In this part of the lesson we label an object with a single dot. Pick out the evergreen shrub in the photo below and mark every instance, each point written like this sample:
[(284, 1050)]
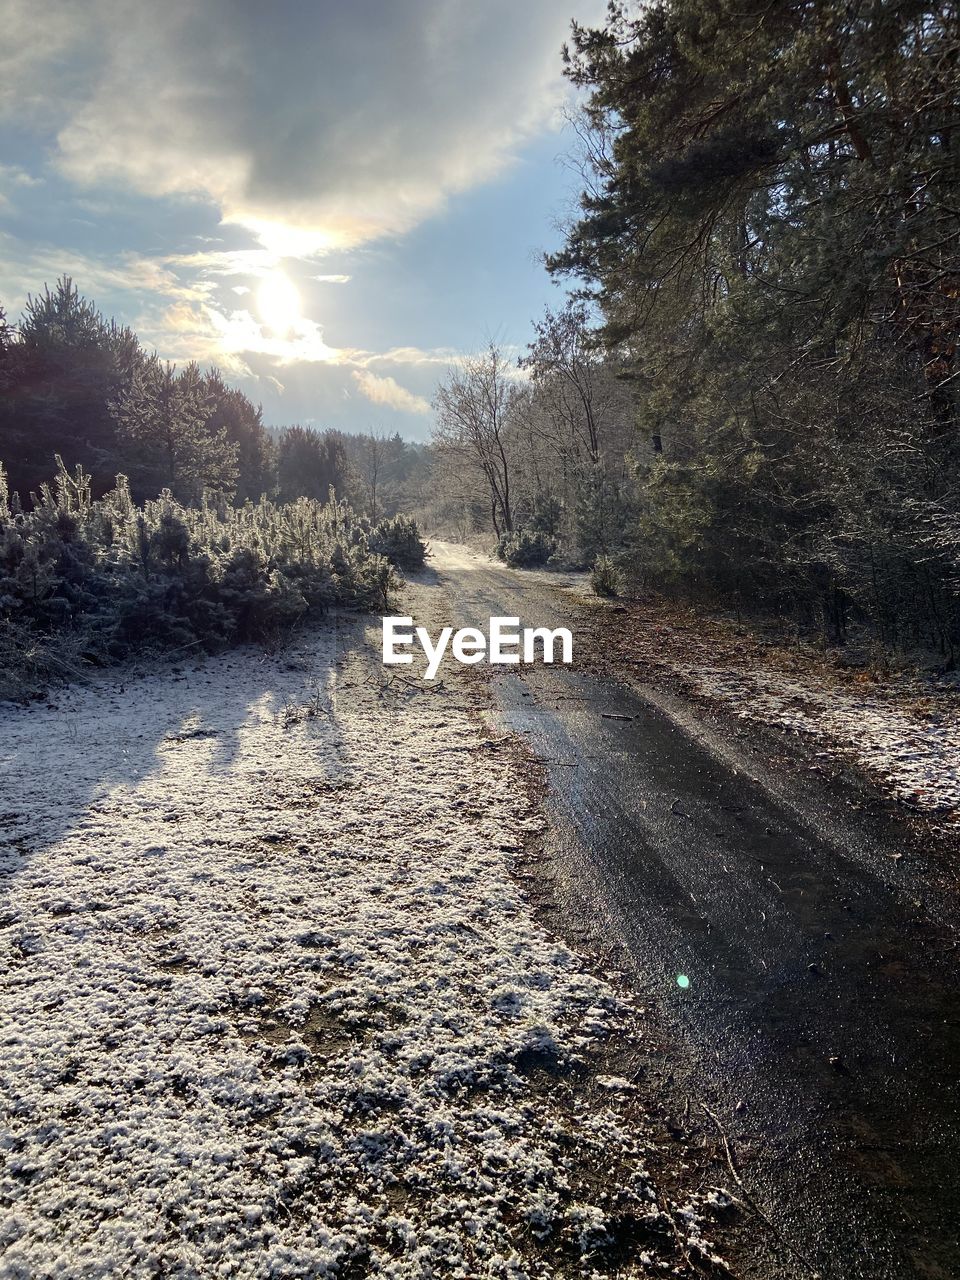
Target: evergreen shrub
[(86, 580)]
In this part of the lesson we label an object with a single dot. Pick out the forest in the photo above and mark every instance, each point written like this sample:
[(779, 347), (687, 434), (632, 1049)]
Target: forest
[(751, 396), (82, 386)]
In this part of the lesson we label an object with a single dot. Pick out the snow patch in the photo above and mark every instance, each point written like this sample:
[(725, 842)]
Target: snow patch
[(914, 751)]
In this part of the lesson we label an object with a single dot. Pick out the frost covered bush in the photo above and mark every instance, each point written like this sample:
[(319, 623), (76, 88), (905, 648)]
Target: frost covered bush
[(398, 538), (526, 549), (92, 581)]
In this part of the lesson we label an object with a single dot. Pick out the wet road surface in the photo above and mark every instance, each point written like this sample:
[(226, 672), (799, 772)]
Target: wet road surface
[(821, 1022)]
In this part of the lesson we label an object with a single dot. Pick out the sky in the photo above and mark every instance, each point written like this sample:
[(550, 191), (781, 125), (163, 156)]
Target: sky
[(331, 201)]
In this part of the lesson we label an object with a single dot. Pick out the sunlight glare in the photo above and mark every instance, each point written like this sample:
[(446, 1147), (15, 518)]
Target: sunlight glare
[(278, 303)]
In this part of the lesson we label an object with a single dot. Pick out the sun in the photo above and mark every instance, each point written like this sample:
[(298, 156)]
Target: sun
[(278, 303)]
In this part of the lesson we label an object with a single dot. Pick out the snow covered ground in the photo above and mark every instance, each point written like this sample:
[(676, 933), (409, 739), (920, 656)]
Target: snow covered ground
[(271, 1004), (454, 555), (903, 730), (910, 744)]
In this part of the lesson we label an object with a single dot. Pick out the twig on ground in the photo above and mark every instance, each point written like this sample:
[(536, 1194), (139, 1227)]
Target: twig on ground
[(748, 1197)]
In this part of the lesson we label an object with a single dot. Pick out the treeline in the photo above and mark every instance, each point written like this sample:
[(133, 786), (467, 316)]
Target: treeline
[(769, 246), (75, 384)]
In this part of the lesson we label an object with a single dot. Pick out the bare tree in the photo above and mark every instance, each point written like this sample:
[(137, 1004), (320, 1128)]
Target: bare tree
[(373, 456), (562, 357), (473, 406)]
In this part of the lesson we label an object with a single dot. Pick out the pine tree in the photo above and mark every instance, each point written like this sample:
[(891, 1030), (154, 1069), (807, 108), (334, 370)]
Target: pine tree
[(242, 424), (164, 424), (58, 375)]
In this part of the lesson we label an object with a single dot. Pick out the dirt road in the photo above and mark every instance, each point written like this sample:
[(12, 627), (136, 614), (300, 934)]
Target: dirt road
[(806, 967)]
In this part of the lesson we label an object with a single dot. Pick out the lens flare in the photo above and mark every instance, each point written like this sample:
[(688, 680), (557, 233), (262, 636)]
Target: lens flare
[(683, 981)]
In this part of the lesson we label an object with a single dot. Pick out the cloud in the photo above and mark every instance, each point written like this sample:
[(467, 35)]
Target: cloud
[(202, 330), (11, 175), (314, 124), (442, 356), (25, 268), (333, 279), (188, 307), (225, 262), (387, 391)]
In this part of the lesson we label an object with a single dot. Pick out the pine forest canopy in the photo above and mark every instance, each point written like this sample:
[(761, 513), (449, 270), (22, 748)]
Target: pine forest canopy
[(770, 232)]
